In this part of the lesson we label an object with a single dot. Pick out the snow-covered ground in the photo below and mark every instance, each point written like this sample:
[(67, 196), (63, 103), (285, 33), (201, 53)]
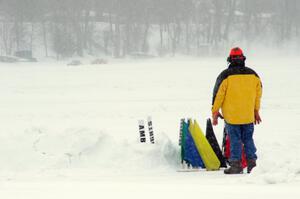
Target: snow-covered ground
[(72, 131)]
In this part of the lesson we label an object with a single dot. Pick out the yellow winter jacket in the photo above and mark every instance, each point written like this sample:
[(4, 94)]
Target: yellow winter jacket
[(237, 92)]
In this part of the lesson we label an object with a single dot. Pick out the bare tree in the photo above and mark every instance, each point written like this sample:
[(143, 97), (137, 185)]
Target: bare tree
[(121, 27)]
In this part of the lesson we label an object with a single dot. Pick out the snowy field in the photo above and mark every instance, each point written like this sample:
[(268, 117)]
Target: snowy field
[(72, 131)]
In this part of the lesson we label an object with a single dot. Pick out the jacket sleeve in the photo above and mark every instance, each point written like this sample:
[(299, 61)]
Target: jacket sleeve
[(258, 95), (219, 97), (219, 80)]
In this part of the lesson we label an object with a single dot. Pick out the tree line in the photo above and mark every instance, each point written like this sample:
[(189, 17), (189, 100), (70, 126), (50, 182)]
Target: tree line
[(65, 28)]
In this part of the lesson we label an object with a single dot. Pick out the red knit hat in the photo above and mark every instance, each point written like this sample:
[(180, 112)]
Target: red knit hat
[(236, 52), (236, 56)]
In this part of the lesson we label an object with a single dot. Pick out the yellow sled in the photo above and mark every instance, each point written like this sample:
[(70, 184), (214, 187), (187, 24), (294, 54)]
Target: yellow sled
[(208, 155)]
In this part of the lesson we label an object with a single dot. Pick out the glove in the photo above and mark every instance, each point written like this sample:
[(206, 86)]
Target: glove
[(257, 117), (215, 117)]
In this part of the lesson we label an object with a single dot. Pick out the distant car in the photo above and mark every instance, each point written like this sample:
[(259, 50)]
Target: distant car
[(99, 61), (74, 63), (141, 55)]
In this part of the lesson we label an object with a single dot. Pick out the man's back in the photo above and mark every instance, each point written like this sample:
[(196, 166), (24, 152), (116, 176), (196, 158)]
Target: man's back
[(237, 92)]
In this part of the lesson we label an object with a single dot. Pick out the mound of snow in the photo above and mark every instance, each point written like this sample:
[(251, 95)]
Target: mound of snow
[(40, 148)]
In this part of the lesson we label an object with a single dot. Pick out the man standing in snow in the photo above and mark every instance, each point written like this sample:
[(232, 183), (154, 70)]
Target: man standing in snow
[(237, 93)]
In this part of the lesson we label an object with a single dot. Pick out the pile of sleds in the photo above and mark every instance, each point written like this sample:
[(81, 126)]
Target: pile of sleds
[(199, 151)]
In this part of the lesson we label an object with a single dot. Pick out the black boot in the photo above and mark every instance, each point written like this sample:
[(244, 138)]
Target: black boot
[(235, 167), (251, 163)]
